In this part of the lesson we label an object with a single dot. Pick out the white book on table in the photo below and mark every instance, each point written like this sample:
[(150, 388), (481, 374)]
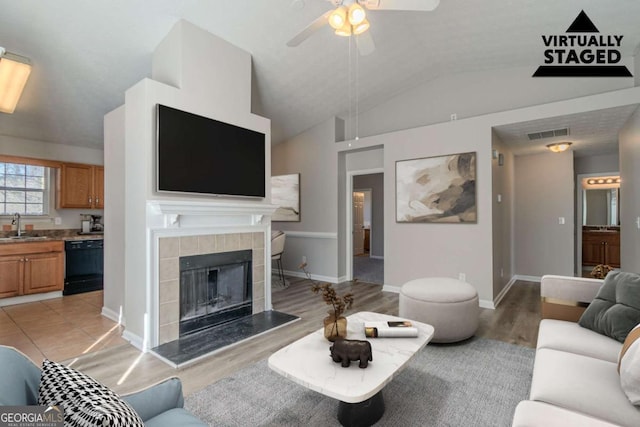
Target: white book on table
[(397, 329)]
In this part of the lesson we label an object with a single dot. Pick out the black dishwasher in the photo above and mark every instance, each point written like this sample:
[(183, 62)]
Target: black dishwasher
[(84, 266)]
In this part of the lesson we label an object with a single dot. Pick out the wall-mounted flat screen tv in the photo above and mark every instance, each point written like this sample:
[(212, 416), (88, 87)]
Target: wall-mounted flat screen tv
[(200, 155)]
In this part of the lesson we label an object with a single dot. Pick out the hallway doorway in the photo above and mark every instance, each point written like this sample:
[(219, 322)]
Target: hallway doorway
[(367, 227)]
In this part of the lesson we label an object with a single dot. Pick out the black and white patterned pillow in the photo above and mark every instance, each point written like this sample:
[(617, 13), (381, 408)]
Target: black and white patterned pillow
[(86, 402)]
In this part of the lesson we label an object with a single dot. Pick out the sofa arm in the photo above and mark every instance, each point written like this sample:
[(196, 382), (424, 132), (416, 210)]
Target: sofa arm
[(157, 398), (565, 297)]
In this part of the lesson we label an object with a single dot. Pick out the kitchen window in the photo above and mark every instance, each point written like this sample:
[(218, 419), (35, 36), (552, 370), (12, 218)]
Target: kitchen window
[(24, 189)]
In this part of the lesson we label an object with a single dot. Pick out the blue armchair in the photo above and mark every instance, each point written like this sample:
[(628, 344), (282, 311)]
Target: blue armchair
[(158, 405)]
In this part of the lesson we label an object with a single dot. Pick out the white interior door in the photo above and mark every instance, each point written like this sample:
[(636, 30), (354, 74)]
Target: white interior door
[(358, 223)]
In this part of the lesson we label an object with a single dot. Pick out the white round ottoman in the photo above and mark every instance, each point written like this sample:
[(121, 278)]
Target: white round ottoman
[(449, 305)]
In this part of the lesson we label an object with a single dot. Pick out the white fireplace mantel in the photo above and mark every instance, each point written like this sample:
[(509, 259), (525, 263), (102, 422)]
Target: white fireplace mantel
[(175, 213)]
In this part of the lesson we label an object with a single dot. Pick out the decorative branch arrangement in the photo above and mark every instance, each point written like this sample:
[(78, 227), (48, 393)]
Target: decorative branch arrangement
[(329, 295)]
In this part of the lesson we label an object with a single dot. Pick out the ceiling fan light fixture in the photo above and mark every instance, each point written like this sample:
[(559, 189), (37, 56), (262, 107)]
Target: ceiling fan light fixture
[(361, 27), (559, 147), (356, 14), (338, 17), (344, 31)]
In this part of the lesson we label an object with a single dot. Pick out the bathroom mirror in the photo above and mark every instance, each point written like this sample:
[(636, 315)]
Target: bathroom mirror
[(601, 207)]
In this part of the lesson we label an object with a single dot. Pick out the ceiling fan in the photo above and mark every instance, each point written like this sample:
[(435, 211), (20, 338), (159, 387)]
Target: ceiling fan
[(349, 18)]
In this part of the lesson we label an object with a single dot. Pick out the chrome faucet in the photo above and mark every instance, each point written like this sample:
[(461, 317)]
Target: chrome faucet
[(16, 220)]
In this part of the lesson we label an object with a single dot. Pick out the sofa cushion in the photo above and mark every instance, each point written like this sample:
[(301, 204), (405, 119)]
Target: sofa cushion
[(582, 384), (629, 366), (86, 402), (571, 337), (529, 413), (616, 308), (19, 378)]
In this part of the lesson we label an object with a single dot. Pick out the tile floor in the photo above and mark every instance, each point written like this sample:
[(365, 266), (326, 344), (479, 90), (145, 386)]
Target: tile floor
[(59, 329)]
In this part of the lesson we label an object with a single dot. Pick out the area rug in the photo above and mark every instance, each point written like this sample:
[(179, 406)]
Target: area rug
[(477, 382)]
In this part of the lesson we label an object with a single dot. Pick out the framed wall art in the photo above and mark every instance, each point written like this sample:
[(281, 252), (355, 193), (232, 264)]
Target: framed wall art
[(437, 189), (285, 193)]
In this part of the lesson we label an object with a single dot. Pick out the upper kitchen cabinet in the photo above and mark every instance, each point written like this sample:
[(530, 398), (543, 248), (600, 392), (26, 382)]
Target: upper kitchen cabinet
[(80, 186)]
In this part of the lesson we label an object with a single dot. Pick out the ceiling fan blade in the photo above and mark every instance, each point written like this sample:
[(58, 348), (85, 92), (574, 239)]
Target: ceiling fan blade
[(365, 43), (309, 29), (416, 5)]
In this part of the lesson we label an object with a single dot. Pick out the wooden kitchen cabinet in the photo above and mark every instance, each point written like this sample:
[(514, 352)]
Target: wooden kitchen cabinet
[(601, 247), (80, 186), (11, 273), (31, 267)]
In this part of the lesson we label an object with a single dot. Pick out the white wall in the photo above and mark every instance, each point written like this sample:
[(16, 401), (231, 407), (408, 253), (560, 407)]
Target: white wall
[(476, 93), (212, 78), (13, 146), (544, 188), (630, 194), (115, 188)]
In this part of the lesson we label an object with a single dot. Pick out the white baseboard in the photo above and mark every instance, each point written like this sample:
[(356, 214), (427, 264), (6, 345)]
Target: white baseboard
[(391, 288), (112, 315), (484, 303), (29, 298), (376, 257), (134, 339), (503, 292), (315, 277), (527, 278)]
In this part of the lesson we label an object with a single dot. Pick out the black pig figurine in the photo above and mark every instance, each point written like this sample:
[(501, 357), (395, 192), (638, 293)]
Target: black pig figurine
[(344, 351)]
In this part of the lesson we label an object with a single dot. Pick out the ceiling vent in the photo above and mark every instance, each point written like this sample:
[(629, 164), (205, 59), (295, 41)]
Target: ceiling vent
[(533, 136)]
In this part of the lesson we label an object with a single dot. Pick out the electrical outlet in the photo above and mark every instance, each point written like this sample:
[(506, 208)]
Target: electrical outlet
[(561, 220), (462, 277), (454, 116), (57, 220), (304, 259)]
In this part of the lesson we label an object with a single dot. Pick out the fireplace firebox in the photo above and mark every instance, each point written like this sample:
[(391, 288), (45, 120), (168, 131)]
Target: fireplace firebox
[(214, 289)]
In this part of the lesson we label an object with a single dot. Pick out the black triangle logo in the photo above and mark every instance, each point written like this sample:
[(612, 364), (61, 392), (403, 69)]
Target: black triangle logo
[(582, 24)]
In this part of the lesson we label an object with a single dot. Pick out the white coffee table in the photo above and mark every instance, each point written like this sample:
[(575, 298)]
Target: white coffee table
[(307, 362)]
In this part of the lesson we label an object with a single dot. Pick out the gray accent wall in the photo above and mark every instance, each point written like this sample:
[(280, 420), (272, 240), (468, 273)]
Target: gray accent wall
[(539, 244), (543, 189)]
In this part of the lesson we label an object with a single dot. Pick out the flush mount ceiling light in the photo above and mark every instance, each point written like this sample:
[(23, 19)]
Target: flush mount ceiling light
[(559, 147), (14, 72)]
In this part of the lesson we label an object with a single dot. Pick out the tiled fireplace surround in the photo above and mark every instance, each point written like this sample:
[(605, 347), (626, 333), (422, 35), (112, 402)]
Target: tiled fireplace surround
[(183, 228), (172, 248)]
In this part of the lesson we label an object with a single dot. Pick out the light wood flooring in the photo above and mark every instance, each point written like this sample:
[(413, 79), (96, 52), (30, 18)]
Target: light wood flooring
[(67, 329)]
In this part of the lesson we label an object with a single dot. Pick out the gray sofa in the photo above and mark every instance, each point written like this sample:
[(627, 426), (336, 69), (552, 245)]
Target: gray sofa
[(158, 405), (575, 379)]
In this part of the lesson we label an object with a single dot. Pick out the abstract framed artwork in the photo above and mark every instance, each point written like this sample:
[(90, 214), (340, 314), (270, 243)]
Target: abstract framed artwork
[(285, 194), (437, 189)]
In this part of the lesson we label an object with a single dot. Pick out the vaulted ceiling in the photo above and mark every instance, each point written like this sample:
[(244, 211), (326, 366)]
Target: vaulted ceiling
[(85, 54)]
